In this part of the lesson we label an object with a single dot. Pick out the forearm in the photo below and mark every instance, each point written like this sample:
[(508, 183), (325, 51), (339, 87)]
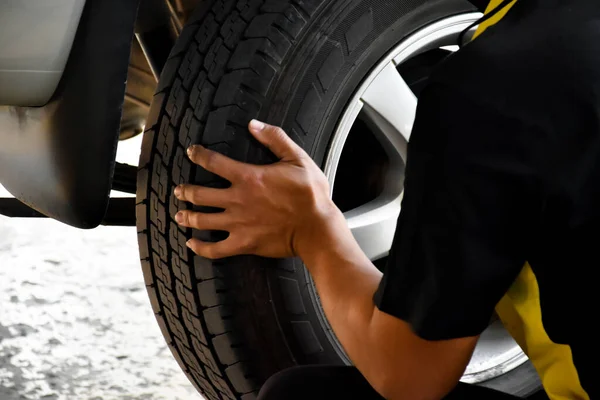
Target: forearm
[(346, 281), (397, 363)]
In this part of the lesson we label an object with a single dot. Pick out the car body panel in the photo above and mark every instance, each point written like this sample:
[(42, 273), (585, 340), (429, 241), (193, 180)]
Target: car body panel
[(59, 159), (35, 41)]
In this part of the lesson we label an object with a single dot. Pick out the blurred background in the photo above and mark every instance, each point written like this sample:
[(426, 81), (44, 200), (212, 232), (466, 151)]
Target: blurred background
[(75, 320)]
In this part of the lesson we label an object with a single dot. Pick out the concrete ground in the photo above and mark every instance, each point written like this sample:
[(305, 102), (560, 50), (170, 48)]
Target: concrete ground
[(75, 320)]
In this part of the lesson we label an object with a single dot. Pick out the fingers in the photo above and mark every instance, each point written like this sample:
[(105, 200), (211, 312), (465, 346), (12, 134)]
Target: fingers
[(211, 250), (275, 139), (234, 245), (202, 196), (215, 162), (203, 221)]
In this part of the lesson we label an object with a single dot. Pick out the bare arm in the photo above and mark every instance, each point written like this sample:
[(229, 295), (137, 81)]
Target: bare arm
[(397, 363), (284, 210)]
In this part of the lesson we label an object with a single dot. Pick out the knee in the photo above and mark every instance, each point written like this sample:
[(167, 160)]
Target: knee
[(285, 384)]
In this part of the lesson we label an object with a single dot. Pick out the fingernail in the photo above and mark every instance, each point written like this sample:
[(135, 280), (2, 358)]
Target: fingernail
[(177, 191), (190, 151), (179, 217), (257, 125), (189, 243)]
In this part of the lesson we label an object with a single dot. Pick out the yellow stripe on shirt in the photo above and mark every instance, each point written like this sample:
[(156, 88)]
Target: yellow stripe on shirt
[(493, 20), (521, 313)]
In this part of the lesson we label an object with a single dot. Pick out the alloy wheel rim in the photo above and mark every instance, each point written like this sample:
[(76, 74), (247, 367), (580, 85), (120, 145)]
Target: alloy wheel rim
[(387, 102)]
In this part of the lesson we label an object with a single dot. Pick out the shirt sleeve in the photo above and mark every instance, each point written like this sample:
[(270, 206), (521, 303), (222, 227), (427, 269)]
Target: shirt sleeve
[(471, 199)]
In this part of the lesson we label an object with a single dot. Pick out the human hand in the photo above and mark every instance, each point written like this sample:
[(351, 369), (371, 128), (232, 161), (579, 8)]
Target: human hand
[(276, 210)]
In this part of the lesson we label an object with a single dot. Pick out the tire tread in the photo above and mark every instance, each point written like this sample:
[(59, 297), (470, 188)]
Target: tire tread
[(218, 73)]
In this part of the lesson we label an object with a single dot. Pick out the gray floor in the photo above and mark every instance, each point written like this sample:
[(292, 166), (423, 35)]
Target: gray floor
[(75, 321)]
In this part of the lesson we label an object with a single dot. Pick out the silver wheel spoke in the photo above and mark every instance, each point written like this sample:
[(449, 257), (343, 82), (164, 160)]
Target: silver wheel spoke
[(373, 225), (391, 105)]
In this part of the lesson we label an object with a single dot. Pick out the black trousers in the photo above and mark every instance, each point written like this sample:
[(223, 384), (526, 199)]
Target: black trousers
[(346, 383)]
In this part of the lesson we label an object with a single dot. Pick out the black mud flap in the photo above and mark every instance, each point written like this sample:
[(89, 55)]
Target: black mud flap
[(59, 159)]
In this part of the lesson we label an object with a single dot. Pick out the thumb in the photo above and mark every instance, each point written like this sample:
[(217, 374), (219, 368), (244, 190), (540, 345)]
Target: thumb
[(276, 140)]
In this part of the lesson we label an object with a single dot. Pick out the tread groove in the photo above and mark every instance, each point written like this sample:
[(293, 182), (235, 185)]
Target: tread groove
[(212, 49)]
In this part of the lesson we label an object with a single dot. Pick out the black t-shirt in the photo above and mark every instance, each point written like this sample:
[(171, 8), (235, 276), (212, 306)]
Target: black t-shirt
[(504, 168)]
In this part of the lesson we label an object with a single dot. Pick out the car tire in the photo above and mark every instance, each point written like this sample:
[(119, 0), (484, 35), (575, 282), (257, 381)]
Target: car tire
[(233, 323)]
